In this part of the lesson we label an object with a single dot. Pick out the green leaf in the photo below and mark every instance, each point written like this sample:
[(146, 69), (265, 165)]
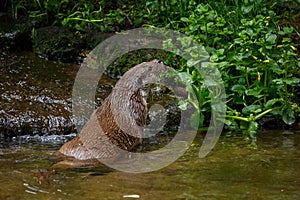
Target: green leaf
[(246, 8), (185, 77), (268, 46), (275, 68), (202, 8), (251, 109), (271, 102), (292, 81), (183, 105), (197, 120), (276, 112), (211, 83), (286, 40), (254, 92), (239, 89), (138, 21), (288, 30), (271, 38), (277, 81), (238, 100), (288, 115), (238, 41), (190, 88), (191, 62), (184, 19)]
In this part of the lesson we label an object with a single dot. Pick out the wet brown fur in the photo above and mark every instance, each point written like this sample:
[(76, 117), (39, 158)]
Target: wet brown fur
[(102, 130)]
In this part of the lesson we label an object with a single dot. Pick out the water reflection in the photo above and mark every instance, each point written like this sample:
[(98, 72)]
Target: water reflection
[(234, 170)]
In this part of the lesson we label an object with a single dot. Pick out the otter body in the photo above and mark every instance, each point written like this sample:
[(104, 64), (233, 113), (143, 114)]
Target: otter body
[(118, 122)]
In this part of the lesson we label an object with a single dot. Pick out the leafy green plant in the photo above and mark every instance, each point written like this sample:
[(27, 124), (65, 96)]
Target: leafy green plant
[(82, 15), (16, 6), (256, 57)]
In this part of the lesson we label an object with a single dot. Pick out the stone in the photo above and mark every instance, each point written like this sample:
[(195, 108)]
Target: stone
[(58, 43)]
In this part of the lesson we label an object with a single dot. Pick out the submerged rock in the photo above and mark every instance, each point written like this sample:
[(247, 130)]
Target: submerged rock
[(58, 43)]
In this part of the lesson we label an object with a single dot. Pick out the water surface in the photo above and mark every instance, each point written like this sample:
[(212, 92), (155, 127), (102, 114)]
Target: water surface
[(234, 170)]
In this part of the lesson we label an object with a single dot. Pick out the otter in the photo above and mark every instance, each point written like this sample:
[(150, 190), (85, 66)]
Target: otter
[(119, 121)]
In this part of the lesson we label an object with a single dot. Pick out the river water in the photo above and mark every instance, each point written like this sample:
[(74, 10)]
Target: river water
[(35, 94), (233, 170)]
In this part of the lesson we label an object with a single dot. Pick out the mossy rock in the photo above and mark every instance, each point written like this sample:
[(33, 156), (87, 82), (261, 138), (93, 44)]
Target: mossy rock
[(15, 35), (94, 38), (57, 43)]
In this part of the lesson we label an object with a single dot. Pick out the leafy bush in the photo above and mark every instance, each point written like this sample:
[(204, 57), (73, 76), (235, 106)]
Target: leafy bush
[(257, 58)]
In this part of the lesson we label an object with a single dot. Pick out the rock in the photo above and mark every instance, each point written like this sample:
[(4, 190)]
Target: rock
[(16, 34), (35, 95), (93, 38), (58, 43)]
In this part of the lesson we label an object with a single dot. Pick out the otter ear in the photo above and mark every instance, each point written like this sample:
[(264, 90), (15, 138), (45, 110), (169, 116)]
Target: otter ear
[(138, 107)]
